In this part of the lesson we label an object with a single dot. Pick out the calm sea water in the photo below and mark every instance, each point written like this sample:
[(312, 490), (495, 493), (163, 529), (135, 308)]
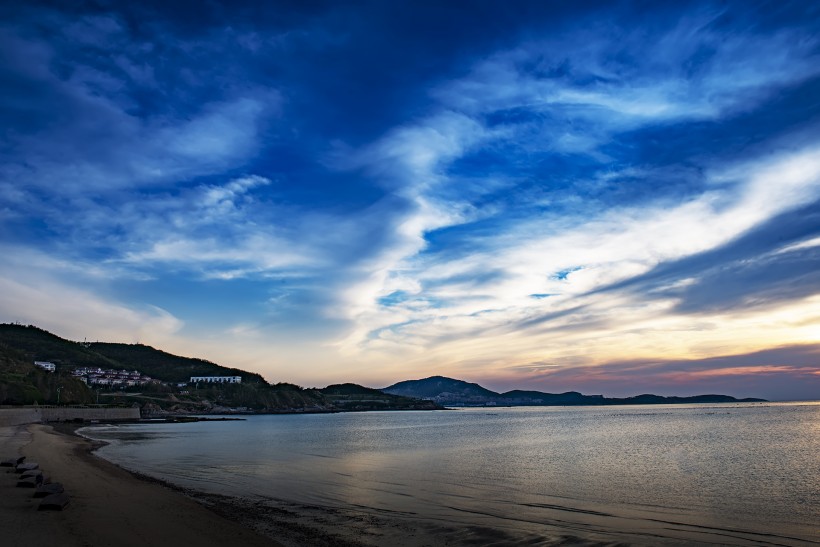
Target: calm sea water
[(719, 474)]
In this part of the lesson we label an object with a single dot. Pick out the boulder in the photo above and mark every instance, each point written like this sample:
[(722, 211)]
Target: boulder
[(26, 467), (47, 489), (54, 502), (13, 462), (30, 482), (34, 473)]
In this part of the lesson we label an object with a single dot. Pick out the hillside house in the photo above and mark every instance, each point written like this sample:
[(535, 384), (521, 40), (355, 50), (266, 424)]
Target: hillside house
[(46, 365), (216, 379)]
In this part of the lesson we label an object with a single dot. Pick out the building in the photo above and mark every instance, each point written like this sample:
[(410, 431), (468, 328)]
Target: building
[(45, 365), (217, 379), (111, 377)]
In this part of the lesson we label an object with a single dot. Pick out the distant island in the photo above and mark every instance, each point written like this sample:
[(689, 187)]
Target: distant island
[(450, 392), (161, 384)]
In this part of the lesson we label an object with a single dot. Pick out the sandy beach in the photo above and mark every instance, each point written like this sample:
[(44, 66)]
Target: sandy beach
[(108, 507), (112, 507)]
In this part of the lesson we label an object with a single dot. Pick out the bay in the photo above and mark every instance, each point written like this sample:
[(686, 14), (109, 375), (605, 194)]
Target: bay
[(742, 474)]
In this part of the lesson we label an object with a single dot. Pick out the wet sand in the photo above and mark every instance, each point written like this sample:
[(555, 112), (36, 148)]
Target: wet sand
[(108, 507), (113, 507)]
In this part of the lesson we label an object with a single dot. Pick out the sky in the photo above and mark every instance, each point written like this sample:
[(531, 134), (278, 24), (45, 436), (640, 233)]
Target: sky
[(609, 197)]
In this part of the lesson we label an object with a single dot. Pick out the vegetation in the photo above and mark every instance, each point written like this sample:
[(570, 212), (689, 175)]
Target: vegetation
[(355, 397), (36, 344), (447, 391), (166, 367), (23, 383)]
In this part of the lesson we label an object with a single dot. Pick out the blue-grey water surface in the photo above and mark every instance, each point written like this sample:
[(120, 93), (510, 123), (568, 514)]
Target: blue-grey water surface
[(719, 474)]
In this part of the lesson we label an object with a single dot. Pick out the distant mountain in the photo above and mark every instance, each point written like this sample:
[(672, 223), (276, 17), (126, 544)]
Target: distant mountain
[(23, 383), (356, 397), (518, 397), (443, 388), (450, 392)]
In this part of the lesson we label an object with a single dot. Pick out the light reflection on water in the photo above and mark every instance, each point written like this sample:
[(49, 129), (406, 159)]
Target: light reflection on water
[(753, 468)]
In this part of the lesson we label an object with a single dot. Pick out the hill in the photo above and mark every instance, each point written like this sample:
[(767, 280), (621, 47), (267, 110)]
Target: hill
[(165, 366), (443, 388), (23, 383), (36, 344), (356, 397), (447, 391)]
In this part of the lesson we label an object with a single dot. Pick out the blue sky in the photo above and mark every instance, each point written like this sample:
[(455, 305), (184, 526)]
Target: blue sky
[(605, 197)]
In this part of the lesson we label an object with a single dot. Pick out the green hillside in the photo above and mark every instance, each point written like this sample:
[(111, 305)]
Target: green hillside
[(23, 383), (165, 366), (37, 344)]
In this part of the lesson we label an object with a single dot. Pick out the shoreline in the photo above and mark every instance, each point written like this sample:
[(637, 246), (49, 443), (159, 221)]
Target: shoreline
[(112, 505), (281, 523), (108, 505), (293, 524), (286, 528), (298, 524)]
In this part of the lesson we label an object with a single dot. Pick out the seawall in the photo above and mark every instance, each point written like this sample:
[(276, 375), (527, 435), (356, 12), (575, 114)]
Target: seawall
[(36, 414)]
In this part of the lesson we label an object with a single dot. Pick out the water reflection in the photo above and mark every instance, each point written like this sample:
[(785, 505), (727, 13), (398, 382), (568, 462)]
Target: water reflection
[(745, 468)]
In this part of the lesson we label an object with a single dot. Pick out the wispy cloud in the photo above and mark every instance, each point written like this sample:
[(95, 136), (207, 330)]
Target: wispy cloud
[(607, 74), (103, 77), (587, 186), (593, 248), (77, 312)]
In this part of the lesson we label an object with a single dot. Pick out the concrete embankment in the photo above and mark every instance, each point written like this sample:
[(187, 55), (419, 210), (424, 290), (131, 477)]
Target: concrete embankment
[(30, 415)]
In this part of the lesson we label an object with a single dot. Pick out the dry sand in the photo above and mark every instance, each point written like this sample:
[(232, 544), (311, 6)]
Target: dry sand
[(109, 506)]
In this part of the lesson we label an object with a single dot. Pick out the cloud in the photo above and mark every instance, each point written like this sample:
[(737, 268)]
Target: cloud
[(487, 292), (787, 372), (606, 74), (771, 264), (101, 138), (521, 101), (77, 313), (565, 199)]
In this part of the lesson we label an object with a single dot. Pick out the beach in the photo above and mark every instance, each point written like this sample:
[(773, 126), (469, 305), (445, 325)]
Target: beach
[(109, 506), (112, 507), (544, 477)]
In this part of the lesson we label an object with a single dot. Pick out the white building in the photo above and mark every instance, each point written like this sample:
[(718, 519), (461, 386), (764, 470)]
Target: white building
[(217, 379), (45, 365)]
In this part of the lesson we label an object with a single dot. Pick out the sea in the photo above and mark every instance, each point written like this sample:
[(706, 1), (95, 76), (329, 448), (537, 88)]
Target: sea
[(719, 474)]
